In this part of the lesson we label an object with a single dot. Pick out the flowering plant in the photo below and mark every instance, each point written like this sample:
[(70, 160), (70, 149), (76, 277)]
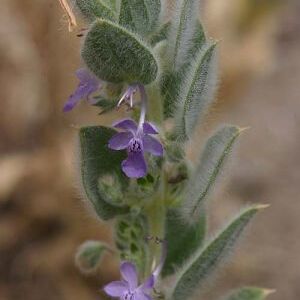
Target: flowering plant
[(162, 65)]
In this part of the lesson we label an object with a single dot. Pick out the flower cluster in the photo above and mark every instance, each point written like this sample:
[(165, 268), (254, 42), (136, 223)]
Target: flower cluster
[(135, 138)]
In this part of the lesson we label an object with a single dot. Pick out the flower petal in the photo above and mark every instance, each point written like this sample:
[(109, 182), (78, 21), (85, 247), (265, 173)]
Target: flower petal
[(120, 141), (129, 273), (149, 283), (149, 128), (141, 295), (152, 145), (126, 124), (83, 74), (71, 103), (135, 165), (116, 288)]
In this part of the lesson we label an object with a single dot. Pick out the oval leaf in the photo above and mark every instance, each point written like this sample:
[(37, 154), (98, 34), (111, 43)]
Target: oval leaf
[(211, 255), (89, 254), (98, 164), (114, 54)]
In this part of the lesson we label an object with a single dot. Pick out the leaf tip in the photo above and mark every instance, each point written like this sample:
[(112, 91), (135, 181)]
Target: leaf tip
[(262, 206), (267, 292)]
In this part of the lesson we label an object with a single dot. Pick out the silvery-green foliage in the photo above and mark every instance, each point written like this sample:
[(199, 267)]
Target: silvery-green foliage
[(249, 293), (196, 92), (203, 178), (116, 55), (140, 42), (89, 254), (140, 16), (99, 165), (92, 9), (183, 240), (210, 256), (183, 26)]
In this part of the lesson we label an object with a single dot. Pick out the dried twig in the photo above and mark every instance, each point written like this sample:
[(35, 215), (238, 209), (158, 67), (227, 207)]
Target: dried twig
[(71, 17)]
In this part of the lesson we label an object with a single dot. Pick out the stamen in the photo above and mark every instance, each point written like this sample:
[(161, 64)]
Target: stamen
[(144, 100), (127, 97)]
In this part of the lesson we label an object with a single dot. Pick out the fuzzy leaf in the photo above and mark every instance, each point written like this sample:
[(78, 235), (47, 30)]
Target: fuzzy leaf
[(182, 31), (160, 35), (173, 81), (92, 9), (114, 54), (139, 16), (170, 87), (197, 42), (217, 149), (89, 254), (103, 181), (249, 293), (193, 275), (197, 92), (183, 240)]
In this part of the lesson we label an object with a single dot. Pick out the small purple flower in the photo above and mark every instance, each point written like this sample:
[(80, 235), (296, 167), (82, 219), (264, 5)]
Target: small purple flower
[(88, 84), (137, 140), (128, 288)]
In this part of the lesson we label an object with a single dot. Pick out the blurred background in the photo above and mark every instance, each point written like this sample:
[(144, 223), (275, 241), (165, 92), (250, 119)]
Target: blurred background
[(43, 220)]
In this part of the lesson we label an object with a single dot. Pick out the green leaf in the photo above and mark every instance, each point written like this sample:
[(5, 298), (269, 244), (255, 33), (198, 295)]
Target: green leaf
[(173, 81), (100, 170), (139, 16), (106, 105), (92, 9), (182, 31), (170, 87), (160, 35), (183, 240), (114, 54), (250, 293), (197, 92), (197, 42), (206, 261), (213, 158), (89, 254)]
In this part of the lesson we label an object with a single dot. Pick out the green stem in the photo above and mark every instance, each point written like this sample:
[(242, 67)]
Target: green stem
[(156, 214), (155, 107)]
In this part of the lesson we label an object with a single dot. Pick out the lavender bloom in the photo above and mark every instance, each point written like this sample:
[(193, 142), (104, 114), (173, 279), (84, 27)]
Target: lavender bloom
[(137, 140), (128, 289), (88, 84)]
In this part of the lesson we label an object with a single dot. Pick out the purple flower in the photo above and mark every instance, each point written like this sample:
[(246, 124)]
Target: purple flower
[(88, 84), (128, 288), (137, 140)]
